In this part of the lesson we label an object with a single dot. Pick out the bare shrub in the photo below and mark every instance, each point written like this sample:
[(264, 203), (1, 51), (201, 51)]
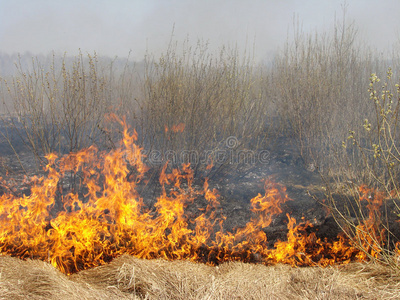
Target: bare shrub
[(193, 101), (369, 209), (318, 79), (56, 110)]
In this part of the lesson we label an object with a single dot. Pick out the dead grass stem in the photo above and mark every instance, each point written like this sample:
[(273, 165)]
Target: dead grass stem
[(131, 278)]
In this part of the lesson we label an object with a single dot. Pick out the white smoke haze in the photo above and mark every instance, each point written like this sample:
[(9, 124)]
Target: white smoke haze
[(114, 28)]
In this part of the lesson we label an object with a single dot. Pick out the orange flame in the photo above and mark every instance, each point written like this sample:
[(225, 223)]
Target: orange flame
[(370, 233), (180, 127), (82, 230)]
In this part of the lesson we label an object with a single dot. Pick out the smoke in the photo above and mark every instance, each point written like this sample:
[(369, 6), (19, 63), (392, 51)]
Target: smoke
[(115, 28)]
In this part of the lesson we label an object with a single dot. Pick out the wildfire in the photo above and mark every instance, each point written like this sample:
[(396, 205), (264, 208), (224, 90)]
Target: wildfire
[(80, 230)]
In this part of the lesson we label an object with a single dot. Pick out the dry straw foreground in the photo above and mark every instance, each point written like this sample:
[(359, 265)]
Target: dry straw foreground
[(131, 278)]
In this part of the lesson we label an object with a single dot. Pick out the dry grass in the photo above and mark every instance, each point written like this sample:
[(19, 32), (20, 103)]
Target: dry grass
[(131, 278)]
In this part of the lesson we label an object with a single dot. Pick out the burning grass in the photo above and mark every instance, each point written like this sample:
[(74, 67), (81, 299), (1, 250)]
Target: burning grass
[(103, 216)]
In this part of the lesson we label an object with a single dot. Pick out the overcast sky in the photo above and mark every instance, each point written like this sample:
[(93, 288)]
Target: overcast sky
[(114, 27)]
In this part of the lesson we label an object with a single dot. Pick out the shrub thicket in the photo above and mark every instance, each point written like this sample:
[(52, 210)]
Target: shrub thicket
[(55, 110)]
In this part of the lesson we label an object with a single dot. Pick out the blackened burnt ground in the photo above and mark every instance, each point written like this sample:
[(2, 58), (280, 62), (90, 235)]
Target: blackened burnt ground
[(304, 187)]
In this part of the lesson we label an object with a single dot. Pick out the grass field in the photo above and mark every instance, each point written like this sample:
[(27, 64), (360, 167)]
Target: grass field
[(325, 105), (131, 278)]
